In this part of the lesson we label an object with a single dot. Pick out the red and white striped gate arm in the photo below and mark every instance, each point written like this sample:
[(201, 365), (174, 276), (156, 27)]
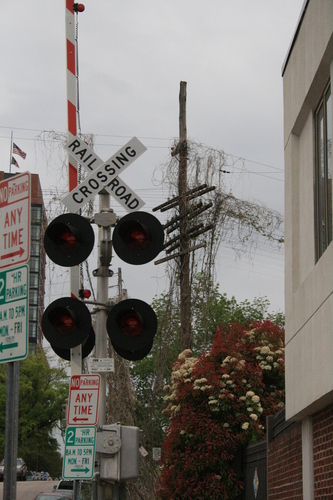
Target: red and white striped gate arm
[(76, 353), (72, 118), (71, 88)]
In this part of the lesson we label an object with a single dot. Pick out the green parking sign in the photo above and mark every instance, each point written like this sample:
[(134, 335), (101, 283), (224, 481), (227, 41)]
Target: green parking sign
[(79, 456), (14, 313)]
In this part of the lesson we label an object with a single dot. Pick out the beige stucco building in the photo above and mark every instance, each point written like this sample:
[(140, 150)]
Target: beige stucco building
[(307, 77), (307, 74)]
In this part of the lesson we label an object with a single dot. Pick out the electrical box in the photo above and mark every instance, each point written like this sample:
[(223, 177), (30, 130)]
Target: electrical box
[(118, 446)]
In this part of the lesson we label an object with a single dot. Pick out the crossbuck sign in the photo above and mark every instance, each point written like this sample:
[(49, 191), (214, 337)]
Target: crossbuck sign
[(104, 175)]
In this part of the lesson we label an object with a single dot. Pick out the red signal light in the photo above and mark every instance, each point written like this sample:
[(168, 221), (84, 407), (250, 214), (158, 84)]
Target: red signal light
[(63, 320), (69, 240), (131, 326), (130, 323), (64, 237), (135, 235), (84, 293), (138, 238), (66, 323), (78, 7)]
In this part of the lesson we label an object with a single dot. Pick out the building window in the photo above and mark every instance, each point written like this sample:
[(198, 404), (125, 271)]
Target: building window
[(36, 214), (33, 296), (34, 248), (32, 331), (34, 264), (35, 233), (323, 172), (34, 280), (33, 314)]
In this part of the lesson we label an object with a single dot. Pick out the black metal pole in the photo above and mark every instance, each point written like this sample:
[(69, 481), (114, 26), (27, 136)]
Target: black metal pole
[(11, 430)]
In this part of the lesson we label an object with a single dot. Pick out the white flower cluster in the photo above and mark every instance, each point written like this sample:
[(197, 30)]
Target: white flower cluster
[(237, 364), (268, 357), (180, 372), (251, 334), (227, 360), (200, 384), (227, 384), (254, 407)]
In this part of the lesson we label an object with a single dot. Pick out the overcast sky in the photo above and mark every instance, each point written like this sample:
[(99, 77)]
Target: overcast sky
[(132, 57)]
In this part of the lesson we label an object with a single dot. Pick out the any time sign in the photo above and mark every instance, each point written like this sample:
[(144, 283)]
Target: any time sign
[(83, 400), (14, 220)]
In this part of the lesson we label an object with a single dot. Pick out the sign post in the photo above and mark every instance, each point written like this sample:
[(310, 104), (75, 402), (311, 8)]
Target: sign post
[(15, 202)]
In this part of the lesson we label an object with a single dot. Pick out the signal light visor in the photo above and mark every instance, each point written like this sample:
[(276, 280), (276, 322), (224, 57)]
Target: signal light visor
[(131, 326), (69, 240), (64, 237), (138, 238), (135, 235), (62, 319)]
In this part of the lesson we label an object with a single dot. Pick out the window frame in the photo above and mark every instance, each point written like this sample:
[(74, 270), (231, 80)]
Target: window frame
[(323, 173)]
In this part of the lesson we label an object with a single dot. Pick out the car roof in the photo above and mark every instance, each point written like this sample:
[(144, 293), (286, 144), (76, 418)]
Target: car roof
[(17, 460), (53, 495), (65, 484)]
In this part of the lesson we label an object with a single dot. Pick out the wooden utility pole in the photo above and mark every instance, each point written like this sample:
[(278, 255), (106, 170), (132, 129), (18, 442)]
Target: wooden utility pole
[(185, 223), (185, 295)]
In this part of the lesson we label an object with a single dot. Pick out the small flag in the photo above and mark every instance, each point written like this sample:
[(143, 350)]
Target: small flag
[(18, 151), (14, 162)]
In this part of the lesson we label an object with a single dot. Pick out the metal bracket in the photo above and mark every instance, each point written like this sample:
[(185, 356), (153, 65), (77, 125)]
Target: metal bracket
[(97, 272), (106, 218)]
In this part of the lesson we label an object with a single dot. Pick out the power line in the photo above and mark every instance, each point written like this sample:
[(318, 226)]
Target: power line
[(113, 136)]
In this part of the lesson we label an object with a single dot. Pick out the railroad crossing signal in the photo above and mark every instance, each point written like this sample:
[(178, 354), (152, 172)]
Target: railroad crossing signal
[(137, 239), (132, 324), (66, 322)]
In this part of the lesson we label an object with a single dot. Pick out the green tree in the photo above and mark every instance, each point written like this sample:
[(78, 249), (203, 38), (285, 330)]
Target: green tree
[(42, 391), (211, 309)]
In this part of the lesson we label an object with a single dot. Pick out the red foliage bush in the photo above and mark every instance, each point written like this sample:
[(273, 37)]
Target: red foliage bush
[(216, 404)]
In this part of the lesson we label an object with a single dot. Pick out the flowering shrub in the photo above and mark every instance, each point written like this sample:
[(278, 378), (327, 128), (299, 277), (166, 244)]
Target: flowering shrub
[(216, 404)]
